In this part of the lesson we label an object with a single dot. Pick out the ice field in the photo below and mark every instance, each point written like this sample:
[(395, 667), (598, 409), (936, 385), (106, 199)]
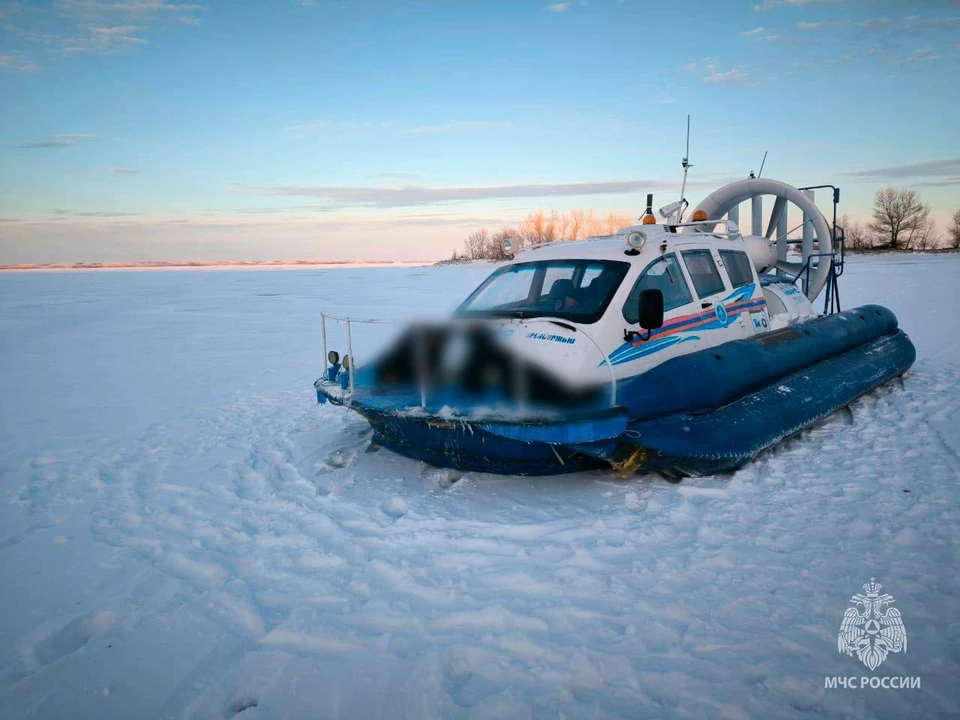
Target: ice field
[(185, 533)]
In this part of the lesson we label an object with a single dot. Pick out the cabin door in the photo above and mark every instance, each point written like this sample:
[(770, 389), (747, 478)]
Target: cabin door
[(720, 320)]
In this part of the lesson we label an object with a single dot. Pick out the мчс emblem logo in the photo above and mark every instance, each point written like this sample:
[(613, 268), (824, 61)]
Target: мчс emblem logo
[(870, 628)]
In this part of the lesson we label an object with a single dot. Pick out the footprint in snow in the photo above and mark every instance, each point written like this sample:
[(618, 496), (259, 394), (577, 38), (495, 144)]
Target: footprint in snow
[(337, 460), (444, 478), (238, 706)]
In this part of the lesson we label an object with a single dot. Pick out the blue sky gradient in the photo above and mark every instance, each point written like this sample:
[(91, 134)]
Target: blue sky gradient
[(143, 130)]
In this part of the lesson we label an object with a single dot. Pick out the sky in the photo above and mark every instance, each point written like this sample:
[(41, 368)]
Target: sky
[(138, 130)]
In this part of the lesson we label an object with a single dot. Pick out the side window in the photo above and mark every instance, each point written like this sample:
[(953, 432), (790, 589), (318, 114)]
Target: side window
[(703, 271), (739, 267), (664, 275)]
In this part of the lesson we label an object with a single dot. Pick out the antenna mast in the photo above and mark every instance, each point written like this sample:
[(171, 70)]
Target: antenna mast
[(762, 163), (685, 164)]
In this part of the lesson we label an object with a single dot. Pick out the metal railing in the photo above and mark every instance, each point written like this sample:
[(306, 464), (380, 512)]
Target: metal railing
[(831, 301), (349, 321)]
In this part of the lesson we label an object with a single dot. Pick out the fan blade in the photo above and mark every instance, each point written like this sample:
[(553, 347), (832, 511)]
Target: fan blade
[(778, 209), (734, 214), (790, 268)]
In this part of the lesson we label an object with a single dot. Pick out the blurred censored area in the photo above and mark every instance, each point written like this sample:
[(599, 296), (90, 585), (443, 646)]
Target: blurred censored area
[(474, 360)]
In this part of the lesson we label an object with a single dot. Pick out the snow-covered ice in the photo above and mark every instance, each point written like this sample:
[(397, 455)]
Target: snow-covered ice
[(184, 533)]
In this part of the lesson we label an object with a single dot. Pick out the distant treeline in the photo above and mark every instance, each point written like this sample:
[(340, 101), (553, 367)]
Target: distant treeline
[(541, 227), (901, 221)]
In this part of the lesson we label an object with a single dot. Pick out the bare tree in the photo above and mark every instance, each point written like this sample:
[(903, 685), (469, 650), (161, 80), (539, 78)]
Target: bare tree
[(562, 224), (856, 234), (953, 231), (922, 237), (899, 218), (476, 244), (576, 224), (592, 225), (538, 228), (614, 222)]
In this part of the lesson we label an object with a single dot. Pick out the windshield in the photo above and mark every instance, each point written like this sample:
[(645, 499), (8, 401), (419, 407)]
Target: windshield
[(577, 290)]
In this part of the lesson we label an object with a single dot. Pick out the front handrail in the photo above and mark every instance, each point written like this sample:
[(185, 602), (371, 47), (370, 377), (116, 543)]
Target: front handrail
[(522, 322)]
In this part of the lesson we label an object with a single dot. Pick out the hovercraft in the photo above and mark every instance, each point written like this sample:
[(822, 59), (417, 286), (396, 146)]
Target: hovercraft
[(678, 346)]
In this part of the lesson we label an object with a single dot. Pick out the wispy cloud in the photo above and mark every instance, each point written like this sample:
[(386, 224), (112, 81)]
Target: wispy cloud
[(733, 76), (343, 196), (389, 175), (62, 140), (105, 214), (932, 173), (112, 37), (557, 7), (811, 25), (302, 130), (457, 127), (12, 63), (124, 171), (306, 128), (91, 10), (923, 54), (755, 31), (94, 26), (939, 182), (773, 4), (874, 24)]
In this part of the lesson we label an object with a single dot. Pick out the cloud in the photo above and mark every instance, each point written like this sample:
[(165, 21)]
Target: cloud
[(307, 128), (11, 63), (936, 173), (95, 26), (111, 37), (303, 130), (940, 182), (343, 196), (105, 214), (124, 171), (921, 55), (300, 131), (457, 127), (811, 25), (91, 10), (773, 4), (394, 175), (63, 140), (733, 76), (557, 7), (755, 31), (874, 24)]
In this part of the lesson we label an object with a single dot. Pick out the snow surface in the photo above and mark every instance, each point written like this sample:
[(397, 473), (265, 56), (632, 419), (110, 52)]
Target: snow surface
[(184, 533)]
